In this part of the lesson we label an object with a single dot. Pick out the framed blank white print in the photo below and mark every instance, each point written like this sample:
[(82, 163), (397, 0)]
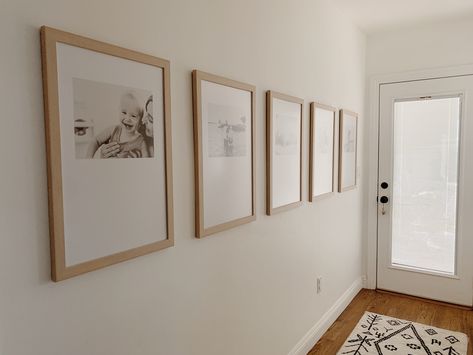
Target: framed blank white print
[(322, 150), (224, 153), (347, 150), (283, 152)]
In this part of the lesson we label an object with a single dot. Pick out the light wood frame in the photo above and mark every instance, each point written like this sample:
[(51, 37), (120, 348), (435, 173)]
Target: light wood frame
[(197, 78), (313, 126), (344, 113), (270, 95), (49, 38)]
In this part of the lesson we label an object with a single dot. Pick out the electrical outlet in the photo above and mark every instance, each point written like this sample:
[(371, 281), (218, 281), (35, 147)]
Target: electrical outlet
[(319, 284)]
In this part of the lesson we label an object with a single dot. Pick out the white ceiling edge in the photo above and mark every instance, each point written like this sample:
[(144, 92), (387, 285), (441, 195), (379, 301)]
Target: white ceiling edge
[(416, 24), (375, 16)]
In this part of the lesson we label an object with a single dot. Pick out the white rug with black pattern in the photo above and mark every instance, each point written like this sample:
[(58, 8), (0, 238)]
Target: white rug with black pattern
[(380, 335)]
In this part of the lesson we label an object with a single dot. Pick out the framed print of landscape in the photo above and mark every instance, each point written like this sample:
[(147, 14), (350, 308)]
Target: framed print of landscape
[(347, 150), (283, 152), (108, 140), (322, 150), (224, 140)]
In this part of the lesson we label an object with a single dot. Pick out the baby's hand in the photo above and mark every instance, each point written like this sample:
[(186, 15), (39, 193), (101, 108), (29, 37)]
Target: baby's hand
[(109, 150)]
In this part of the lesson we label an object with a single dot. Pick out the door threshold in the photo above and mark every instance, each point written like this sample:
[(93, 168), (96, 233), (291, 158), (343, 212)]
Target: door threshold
[(441, 303)]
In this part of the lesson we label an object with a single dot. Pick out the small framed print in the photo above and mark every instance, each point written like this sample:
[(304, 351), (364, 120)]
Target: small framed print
[(347, 150), (322, 151), (283, 152), (108, 140), (224, 141)]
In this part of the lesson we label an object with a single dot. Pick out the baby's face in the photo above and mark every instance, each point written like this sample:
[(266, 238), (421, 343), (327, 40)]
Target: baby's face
[(129, 114)]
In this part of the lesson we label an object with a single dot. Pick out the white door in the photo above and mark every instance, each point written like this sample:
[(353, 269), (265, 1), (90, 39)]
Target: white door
[(425, 189)]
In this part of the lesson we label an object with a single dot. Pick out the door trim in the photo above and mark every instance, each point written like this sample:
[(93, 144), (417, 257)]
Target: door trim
[(428, 300), (371, 205)]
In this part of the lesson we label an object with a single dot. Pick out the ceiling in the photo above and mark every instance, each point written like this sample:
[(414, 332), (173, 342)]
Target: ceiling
[(380, 15)]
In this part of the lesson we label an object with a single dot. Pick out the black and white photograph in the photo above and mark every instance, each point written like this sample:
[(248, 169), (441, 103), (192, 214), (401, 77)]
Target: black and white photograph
[(112, 121), (227, 128), (325, 142), (349, 138), (225, 158), (322, 150), (284, 152), (112, 105), (287, 137)]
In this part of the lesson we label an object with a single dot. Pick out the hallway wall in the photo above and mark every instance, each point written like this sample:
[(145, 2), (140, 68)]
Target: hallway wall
[(250, 290)]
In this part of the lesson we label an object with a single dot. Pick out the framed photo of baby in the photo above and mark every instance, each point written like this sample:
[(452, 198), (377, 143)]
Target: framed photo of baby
[(108, 138)]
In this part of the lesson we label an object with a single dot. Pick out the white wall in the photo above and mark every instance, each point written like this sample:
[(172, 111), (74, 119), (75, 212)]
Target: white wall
[(435, 45), (250, 290)]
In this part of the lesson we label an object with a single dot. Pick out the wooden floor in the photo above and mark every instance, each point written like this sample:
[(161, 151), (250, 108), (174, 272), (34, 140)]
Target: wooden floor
[(420, 311)]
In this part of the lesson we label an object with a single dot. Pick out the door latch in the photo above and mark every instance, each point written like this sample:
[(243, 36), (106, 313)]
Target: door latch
[(384, 200)]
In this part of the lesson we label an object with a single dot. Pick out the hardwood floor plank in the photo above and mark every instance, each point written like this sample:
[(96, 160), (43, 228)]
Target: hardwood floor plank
[(397, 306)]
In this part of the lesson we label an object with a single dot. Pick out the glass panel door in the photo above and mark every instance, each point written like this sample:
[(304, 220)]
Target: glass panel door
[(425, 189)]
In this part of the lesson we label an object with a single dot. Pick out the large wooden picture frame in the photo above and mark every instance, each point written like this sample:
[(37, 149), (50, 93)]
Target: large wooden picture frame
[(224, 152), (103, 101), (283, 152), (322, 151), (348, 150)]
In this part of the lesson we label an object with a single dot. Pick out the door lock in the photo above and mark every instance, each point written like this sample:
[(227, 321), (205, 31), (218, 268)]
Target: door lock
[(384, 200)]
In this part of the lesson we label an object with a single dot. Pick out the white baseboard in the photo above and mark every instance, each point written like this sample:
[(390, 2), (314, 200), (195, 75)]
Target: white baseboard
[(316, 332)]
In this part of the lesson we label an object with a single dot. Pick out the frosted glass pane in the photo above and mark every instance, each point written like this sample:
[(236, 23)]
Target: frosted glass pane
[(425, 182)]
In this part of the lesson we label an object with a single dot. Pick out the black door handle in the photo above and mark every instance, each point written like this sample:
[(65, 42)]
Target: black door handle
[(384, 199)]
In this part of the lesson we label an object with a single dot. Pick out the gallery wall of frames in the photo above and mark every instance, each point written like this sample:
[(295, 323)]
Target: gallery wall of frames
[(103, 122)]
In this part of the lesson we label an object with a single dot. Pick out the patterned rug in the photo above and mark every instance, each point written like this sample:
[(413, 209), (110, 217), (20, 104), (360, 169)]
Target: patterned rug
[(380, 335)]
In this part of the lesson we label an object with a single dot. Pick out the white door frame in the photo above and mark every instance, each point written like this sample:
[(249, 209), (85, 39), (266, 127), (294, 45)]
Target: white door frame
[(372, 205)]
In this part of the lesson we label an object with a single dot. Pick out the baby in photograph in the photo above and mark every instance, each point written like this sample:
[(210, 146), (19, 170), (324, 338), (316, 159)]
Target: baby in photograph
[(122, 140)]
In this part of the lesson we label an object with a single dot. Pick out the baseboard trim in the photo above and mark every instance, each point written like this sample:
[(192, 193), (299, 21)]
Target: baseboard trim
[(319, 329)]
